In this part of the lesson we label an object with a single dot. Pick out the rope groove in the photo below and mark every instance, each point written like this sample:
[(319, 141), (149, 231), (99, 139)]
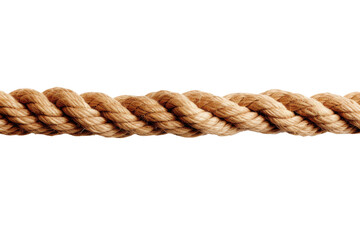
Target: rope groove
[(62, 111)]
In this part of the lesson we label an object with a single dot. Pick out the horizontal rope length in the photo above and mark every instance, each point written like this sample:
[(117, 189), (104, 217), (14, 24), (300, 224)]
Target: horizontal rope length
[(58, 111)]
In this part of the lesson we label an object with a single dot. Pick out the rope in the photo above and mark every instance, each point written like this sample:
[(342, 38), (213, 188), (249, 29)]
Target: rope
[(62, 111)]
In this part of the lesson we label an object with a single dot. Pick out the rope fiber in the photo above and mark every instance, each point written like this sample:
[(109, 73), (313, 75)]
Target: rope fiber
[(62, 111)]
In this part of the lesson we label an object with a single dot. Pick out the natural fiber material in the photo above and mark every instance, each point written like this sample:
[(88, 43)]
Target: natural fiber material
[(57, 111)]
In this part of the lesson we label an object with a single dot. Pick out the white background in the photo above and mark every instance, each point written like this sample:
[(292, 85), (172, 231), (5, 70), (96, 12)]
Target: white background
[(247, 186)]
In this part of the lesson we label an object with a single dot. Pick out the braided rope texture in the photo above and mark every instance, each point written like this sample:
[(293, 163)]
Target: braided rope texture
[(62, 111)]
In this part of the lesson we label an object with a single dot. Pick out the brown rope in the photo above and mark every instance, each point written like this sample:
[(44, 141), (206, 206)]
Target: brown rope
[(57, 111)]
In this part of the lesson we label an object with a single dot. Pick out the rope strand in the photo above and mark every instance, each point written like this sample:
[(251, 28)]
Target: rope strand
[(62, 111)]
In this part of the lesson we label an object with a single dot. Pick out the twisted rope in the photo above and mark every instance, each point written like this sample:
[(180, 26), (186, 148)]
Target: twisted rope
[(58, 111)]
